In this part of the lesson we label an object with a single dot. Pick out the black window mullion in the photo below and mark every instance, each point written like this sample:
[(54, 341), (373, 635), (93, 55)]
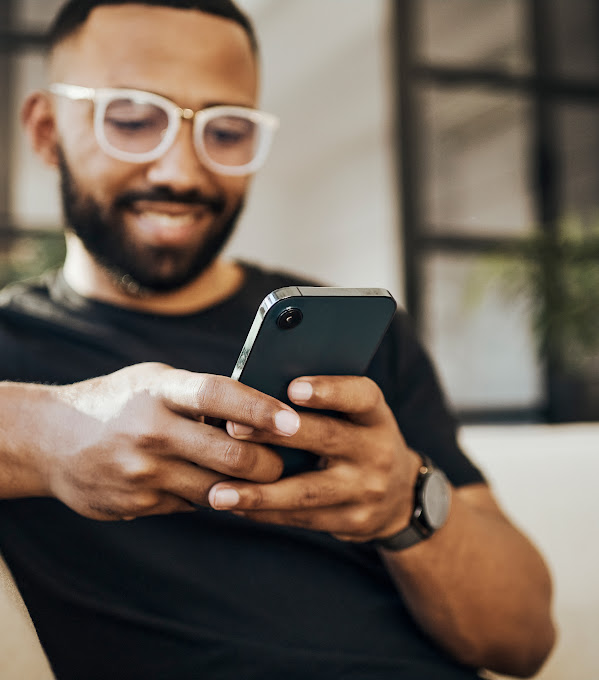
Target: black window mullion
[(408, 151), (547, 182), (11, 41)]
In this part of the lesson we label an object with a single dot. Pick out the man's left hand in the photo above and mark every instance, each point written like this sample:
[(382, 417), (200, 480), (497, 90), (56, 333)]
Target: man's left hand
[(364, 488)]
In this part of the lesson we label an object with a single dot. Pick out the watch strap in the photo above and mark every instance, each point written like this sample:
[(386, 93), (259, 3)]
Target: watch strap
[(414, 532), (401, 540)]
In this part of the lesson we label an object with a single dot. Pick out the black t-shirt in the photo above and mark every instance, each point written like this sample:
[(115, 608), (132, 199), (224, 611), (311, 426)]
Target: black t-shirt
[(207, 594)]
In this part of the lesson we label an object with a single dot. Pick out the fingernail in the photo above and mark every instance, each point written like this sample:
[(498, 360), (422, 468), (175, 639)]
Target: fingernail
[(287, 422), (222, 499), (240, 430), (301, 391)]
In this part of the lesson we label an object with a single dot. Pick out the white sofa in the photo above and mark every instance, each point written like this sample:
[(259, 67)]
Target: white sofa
[(21, 655), (546, 479)]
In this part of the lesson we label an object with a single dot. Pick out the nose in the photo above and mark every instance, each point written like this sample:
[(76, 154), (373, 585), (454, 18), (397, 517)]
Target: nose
[(180, 167)]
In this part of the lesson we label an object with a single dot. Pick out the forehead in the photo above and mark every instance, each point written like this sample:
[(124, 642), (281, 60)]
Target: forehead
[(185, 54)]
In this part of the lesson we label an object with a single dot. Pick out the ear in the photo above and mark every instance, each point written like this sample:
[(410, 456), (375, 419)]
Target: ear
[(39, 121)]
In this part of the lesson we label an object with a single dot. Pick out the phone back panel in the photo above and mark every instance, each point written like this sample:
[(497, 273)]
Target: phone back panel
[(338, 335)]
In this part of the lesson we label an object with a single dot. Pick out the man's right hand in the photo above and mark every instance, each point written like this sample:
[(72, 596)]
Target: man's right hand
[(136, 442)]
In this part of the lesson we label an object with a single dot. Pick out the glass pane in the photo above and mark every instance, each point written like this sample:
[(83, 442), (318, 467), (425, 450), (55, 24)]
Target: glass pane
[(473, 33), (34, 200), (576, 26), (35, 15), (579, 150), (479, 335), (475, 160)]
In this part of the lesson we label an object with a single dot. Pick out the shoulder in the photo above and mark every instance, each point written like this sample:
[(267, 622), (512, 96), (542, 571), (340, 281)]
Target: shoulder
[(29, 296)]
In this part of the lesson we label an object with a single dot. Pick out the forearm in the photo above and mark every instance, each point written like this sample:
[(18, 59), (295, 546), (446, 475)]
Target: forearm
[(23, 424), (479, 588)]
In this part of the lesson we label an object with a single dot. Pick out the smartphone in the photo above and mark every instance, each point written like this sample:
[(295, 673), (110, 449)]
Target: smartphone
[(305, 330)]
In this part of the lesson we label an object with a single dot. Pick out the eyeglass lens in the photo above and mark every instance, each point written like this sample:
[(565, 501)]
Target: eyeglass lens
[(230, 140), (139, 127), (133, 126)]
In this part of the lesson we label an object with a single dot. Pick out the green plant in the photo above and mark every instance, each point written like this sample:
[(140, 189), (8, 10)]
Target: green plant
[(557, 275), (27, 255)]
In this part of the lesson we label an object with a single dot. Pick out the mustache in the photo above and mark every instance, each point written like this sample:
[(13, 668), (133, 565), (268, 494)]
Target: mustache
[(166, 195)]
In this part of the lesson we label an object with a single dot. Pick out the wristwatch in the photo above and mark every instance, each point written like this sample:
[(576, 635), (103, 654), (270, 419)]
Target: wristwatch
[(432, 501)]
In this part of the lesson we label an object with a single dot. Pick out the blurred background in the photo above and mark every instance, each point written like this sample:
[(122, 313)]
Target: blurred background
[(447, 150)]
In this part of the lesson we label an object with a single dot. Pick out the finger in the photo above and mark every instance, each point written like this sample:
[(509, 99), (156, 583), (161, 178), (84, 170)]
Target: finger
[(138, 505), (338, 521), (319, 489), (196, 395), (357, 397), (169, 504), (211, 448), (320, 434), (322, 520), (190, 482)]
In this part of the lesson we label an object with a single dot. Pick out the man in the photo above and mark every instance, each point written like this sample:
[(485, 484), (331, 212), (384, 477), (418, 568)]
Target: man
[(148, 541)]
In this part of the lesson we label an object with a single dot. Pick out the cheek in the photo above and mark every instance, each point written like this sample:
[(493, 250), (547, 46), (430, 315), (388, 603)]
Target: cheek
[(95, 173), (234, 188)]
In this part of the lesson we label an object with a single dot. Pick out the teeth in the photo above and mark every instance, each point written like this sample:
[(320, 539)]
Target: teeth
[(167, 220)]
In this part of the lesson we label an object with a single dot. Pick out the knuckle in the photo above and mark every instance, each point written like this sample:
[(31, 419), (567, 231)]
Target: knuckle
[(136, 468), (311, 496), (303, 521), (236, 458), (386, 463), (383, 461), (207, 390), (144, 502), (254, 412), (360, 521), (372, 393), (375, 489), (152, 367), (98, 511), (256, 499), (331, 436), (151, 441)]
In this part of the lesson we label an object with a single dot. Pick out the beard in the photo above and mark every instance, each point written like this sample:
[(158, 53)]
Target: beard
[(137, 269)]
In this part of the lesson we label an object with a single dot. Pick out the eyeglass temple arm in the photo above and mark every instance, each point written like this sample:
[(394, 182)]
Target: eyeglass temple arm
[(72, 91)]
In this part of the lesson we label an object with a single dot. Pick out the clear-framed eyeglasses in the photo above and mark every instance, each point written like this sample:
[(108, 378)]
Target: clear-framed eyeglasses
[(139, 127)]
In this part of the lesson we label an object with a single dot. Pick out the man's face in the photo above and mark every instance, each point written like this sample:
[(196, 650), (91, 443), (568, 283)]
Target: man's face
[(154, 226)]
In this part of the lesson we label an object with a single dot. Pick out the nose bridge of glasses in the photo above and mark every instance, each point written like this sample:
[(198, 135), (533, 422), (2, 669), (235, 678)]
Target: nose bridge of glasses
[(186, 114), (181, 159)]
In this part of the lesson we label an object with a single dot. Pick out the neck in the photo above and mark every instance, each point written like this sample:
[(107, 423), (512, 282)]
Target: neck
[(215, 284)]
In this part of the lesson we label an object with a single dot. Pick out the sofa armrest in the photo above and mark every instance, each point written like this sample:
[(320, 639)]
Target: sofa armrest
[(21, 654)]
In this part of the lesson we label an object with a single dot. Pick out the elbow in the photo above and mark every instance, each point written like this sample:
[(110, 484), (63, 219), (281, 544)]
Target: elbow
[(532, 659), (522, 658)]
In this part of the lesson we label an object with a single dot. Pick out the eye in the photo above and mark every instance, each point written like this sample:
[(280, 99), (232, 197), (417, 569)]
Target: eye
[(229, 131), (130, 125), (127, 116)]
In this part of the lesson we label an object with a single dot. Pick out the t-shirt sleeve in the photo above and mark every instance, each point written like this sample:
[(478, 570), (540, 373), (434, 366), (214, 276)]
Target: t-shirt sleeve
[(408, 379)]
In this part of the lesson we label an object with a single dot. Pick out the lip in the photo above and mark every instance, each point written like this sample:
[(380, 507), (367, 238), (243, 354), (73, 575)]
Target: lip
[(168, 225), (169, 208)]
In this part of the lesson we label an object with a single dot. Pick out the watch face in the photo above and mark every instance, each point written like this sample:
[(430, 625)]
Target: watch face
[(436, 499)]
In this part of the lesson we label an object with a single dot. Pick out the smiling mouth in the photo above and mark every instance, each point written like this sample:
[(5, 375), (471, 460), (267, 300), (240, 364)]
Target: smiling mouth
[(177, 225), (165, 220)]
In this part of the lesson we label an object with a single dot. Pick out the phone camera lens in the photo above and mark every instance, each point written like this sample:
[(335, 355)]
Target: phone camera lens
[(289, 318)]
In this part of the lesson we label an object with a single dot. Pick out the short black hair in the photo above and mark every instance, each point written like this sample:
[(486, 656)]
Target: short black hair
[(75, 13)]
